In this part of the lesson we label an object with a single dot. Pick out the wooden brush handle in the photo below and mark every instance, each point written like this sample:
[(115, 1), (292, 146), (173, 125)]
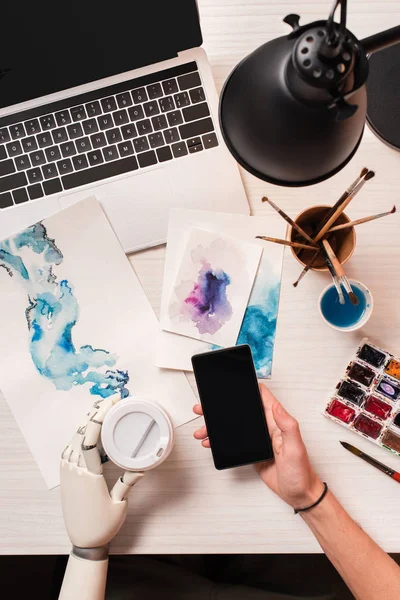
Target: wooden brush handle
[(333, 258)]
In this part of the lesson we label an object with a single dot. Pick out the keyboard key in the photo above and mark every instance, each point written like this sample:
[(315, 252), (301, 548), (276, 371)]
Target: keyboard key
[(121, 117), (44, 139), (63, 117), (4, 135), (64, 166), (172, 135), (17, 131), (80, 162), (83, 145), (210, 140), (182, 100), (37, 158), (197, 111), (175, 118), (105, 122), (68, 149), (136, 113), (53, 153), (125, 148), (196, 128), (7, 167), (196, 148), (22, 162), (34, 175), (113, 136), (95, 158), (151, 108), (14, 148), (129, 131), (53, 186), (78, 113), (90, 126), (3, 153), (98, 140), (32, 126), (164, 153), (167, 104), (47, 122), (124, 100), (6, 200), (190, 80), (154, 91), (139, 95), (105, 171), (108, 104), (197, 95), (20, 196), (170, 86), (75, 131), (159, 122), (12, 181), (156, 140), (179, 149), (35, 191), (144, 127), (60, 135), (50, 171), (141, 144), (110, 153), (147, 159), (29, 144), (93, 109)]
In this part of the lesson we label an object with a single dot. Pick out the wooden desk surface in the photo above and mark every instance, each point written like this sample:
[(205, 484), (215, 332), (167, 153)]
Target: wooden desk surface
[(186, 506)]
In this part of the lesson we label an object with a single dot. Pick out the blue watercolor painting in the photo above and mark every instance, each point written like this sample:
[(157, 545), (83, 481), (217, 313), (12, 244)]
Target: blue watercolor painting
[(207, 305), (51, 314)]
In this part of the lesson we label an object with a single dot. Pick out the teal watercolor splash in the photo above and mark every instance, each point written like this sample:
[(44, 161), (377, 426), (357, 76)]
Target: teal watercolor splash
[(51, 315)]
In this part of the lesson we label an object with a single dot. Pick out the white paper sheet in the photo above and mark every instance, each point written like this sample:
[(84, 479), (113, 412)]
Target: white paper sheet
[(212, 288), (259, 325), (115, 329)]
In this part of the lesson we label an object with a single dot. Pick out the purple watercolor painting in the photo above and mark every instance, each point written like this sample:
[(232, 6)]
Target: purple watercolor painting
[(212, 287)]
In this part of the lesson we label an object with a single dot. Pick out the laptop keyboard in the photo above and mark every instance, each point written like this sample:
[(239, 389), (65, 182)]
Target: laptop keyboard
[(91, 137)]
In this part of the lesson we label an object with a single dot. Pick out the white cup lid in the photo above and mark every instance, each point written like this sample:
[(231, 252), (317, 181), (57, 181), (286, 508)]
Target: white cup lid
[(137, 435)]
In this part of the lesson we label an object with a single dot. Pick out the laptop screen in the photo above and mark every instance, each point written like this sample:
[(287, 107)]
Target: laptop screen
[(48, 46)]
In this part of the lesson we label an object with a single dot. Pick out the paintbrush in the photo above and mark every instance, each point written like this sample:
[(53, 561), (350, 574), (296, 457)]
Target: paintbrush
[(307, 267), (361, 221), (336, 281), (340, 208), (340, 272), (285, 242), (289, 220), (372, 461)]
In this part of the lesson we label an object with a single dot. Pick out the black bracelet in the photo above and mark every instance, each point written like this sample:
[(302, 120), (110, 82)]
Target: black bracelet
[(322, 496)]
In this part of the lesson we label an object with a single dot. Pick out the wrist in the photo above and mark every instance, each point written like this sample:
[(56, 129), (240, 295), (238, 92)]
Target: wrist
[(94, 554), (310, 495)]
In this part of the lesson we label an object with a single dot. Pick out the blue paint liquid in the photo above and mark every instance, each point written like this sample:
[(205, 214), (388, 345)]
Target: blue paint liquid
[(343, 315)]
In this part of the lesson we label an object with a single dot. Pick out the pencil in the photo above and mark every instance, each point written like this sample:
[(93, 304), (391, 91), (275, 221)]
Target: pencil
[(361, 221), (285, 242), (290, 221)]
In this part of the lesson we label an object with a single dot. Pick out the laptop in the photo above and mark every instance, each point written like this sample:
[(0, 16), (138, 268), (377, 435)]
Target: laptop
[(115, 100)]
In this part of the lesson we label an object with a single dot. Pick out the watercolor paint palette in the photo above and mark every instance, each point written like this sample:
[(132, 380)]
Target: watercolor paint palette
[(367, 398)]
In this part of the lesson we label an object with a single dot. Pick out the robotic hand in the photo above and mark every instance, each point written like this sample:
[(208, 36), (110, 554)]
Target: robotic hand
[(93, 515)]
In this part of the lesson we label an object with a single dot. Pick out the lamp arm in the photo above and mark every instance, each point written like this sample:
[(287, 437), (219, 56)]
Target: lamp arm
[(381, 40)]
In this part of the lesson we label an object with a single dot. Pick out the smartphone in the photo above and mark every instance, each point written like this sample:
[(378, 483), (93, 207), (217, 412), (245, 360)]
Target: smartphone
[(232, 406)]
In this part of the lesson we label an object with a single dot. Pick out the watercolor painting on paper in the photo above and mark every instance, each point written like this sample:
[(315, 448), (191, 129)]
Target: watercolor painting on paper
[(212, 287)]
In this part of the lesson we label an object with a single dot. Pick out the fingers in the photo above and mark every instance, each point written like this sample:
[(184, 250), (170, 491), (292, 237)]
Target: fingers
[(124, 484), (91, 436), (198, 410), (206, 443), (286, 423), (201, 434)]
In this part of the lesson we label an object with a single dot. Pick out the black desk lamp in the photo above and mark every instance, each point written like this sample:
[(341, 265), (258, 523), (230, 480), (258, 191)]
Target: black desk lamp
[(293, 112)]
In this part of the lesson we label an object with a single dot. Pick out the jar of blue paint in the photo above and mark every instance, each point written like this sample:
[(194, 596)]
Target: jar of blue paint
[(346, 317)]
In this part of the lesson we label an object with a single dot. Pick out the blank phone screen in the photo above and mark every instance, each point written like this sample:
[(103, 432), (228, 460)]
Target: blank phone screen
[(232, 407)]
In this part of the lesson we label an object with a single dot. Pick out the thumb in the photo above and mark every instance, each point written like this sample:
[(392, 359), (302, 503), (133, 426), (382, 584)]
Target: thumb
[(285, 422)]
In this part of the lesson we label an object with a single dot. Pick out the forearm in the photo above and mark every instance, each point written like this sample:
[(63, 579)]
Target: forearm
[(367, 570), (86, 575)]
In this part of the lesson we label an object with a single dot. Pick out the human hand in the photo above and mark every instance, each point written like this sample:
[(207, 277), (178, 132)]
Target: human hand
[(290, 475), (93, 515)]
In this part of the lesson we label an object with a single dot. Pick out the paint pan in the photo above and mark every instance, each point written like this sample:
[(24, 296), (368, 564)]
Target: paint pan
[(367, 398)]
